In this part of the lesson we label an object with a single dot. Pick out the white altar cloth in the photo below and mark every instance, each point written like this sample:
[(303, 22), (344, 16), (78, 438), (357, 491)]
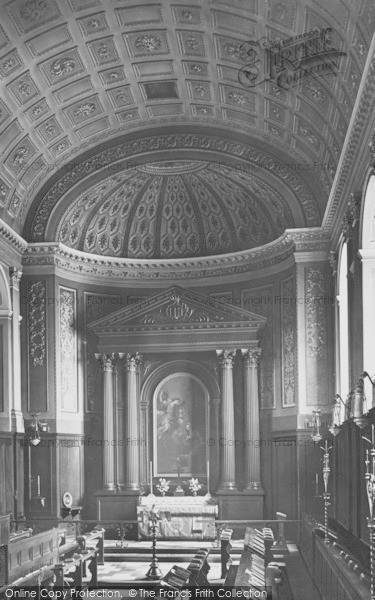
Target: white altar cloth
[(183, 517)]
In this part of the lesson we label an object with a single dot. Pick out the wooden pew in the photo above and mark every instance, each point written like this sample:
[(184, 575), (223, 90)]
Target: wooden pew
[(72, 571), (176, 578), (225, 549), (54, 565), (256, 572), (29, 554), (95, 536), (199, 568)]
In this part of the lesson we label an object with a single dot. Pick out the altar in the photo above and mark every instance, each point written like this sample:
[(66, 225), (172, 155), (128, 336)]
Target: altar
[(185, 518)]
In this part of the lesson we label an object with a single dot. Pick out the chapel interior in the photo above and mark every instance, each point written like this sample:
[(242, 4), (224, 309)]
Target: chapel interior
[(187, 295)]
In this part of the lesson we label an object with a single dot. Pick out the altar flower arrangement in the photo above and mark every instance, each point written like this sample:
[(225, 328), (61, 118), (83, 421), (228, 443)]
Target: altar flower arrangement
[(163, 486), (194, 485)]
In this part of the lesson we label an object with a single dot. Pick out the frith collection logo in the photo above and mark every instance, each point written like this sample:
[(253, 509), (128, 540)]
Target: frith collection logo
[(287, 62)]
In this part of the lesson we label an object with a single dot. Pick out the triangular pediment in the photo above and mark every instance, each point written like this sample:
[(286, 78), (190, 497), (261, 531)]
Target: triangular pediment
[(173, 309)]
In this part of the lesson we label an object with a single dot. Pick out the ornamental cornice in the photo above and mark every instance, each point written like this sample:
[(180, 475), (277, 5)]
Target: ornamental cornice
[(107, 270), (356, 156), (12, 242), (127, 150)]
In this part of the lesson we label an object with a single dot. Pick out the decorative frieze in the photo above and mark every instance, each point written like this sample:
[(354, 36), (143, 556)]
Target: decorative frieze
[(108, 270), (288, 341), (68, 350), (316, 336), (37, 322)]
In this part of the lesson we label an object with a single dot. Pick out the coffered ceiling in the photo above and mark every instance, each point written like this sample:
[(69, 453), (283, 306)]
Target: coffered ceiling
[(80, 76)]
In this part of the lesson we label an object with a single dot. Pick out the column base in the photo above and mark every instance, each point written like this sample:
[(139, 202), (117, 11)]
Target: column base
[(109, 487), (131, 487), (227, 486), (254, 486)]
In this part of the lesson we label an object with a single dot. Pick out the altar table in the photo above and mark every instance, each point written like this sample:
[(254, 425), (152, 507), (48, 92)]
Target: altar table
[(182, 517)]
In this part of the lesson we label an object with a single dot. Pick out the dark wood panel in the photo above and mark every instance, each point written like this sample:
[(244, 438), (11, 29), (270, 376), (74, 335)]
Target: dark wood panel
[(32, 553), (6, 475), (332, 576), (70, 468), (284, 476)]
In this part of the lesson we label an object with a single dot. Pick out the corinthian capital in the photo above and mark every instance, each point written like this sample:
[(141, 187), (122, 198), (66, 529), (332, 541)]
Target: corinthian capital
[(133, 361), (15, 277), (251, 356), (107, 361), (226, 358)]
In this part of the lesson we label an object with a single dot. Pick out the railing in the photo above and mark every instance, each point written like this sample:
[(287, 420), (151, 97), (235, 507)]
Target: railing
[(127, 529)]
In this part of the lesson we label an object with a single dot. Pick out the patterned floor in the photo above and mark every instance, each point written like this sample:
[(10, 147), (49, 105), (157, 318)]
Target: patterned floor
[(122, 572)]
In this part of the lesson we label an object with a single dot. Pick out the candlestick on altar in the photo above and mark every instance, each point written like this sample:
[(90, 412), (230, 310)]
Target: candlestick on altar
[(178, 468), (316, 485), (208, 477), (38, 485)]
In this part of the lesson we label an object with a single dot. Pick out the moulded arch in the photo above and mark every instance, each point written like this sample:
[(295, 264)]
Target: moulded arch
[(367, 253), (175, 366), (367, 229), (5, 299)]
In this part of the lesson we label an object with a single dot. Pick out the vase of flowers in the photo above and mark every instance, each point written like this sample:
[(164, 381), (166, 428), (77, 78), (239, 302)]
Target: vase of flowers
[(163, 486), (194, 485)]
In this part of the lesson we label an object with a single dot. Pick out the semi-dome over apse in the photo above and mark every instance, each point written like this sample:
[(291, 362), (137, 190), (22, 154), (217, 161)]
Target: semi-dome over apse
[(175, 209)]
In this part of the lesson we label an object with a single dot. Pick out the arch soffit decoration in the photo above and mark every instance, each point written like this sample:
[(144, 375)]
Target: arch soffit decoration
[(161, 372), (209, 144)]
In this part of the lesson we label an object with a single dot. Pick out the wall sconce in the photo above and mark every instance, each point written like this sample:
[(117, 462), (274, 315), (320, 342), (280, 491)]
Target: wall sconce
[(315, 425), (35, 429)]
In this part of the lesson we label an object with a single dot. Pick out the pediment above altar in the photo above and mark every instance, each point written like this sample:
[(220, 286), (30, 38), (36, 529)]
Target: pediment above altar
[(172, 312)]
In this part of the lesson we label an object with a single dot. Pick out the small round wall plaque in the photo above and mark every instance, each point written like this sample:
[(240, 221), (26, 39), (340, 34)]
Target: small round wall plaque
[(67, 499)]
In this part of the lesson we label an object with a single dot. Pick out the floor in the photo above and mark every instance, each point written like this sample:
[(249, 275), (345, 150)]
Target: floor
[(126, 567)]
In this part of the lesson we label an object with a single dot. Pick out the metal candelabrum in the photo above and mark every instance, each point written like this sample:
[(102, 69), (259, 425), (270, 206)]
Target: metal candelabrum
[(326, 494), (154, 572), (370, 489)]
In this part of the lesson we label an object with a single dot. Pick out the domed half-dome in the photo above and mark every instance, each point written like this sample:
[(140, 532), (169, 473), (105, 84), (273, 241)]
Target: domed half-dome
[(175, 209)]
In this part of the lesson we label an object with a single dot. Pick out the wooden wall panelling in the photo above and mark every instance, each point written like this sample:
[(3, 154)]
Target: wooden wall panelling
[(284, 476)]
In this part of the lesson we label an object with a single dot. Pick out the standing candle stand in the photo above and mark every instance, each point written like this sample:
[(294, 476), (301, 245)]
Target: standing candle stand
[(154, 571), (370, 489), (326, 494)]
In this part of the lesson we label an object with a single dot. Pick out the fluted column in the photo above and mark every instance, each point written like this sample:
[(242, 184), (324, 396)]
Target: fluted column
[(119, 424), (108, 362), (17, 416), (252, 428), (132, 442), (214, 451), (227, 440)]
